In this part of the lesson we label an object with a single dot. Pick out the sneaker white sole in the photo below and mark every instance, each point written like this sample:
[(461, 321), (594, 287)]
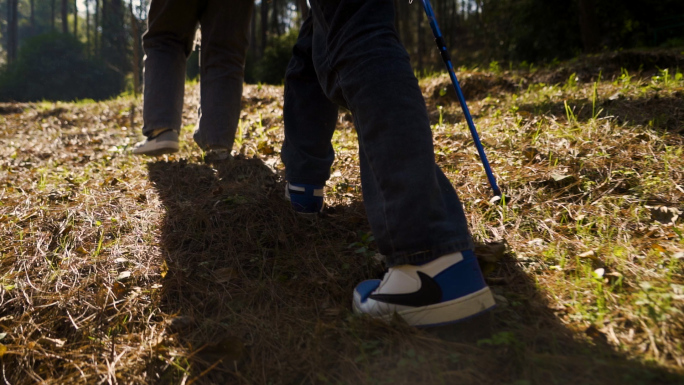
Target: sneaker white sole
[(445, 312), (157, 148)]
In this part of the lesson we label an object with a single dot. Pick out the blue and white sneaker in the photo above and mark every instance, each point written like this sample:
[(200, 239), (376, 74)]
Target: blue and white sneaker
[(448, 289), (305, 198)]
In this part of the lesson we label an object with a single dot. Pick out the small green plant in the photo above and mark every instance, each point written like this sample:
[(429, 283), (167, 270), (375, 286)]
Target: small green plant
[(662, 78), (571, 83), (363, 246), (625, 78), (594, 98), (569, 113), (501, 339), (495, 67)]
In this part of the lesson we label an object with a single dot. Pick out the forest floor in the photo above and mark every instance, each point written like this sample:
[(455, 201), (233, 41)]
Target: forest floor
[(121, 269)]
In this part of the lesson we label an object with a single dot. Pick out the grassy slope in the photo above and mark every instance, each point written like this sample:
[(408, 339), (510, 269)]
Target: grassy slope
[(172, 270)]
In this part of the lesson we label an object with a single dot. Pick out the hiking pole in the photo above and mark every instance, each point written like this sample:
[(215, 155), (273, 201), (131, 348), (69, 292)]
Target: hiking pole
[(441, 44)]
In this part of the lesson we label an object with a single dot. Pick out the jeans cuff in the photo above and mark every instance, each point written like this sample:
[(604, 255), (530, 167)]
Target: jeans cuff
[(148, 130), (426, 255)]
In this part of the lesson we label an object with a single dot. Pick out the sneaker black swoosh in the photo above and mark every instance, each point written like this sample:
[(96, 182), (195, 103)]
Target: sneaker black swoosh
[(429, 294)]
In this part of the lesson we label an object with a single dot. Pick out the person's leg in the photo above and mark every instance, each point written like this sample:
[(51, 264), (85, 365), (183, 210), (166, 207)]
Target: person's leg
[(414, 212), (309, 116), (167, 44), (310, 120), (416, 216), (225, 37)]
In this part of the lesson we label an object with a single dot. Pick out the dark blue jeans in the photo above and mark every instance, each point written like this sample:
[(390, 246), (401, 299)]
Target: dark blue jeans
[(348, 54)]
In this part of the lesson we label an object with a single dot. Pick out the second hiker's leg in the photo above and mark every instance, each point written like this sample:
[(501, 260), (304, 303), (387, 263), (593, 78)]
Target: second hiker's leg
[(167, 44), (225, 37), (309, 116)]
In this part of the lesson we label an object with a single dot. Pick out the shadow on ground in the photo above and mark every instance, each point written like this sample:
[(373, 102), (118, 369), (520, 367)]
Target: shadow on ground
[(261, 295)]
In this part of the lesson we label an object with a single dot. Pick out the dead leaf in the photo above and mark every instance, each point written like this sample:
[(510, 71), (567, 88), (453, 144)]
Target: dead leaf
[(123, 275), (557, 177), (119, 290), (3, 350), (164, 269)]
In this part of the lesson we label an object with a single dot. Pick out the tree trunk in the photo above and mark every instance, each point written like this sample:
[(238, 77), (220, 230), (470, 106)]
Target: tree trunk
[(421, 40), (252, 36), (264, 27), (274, 18), (12, 29), (65, 17), (136, 51), (33, 17), (87, 6), (96, 27), (76, 18), (52, 17), (114, 35), (588, 25)]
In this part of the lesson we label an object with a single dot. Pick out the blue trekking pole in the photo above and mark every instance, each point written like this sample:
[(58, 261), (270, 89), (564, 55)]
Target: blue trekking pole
[(441, 44)]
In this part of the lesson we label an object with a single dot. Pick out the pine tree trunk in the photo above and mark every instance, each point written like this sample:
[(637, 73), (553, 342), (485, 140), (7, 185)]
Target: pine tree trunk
[(87, 6), (97, 44), (136, 51), (52, 17), (274, 18), (12, 36), (33, 17), (264, 27), (252, 36), (114, 35), (421, 40), (65, 17), (76, 18)]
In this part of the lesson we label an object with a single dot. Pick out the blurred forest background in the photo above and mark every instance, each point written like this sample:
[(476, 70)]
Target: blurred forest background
[(76, 49)]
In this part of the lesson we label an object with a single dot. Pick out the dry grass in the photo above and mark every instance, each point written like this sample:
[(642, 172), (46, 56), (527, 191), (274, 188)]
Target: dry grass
[(116, 269)]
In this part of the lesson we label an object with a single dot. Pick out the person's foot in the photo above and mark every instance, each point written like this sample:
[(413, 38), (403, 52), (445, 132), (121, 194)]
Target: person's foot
[(446, 290), (217, 155), (305, 198), (165, 142)]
